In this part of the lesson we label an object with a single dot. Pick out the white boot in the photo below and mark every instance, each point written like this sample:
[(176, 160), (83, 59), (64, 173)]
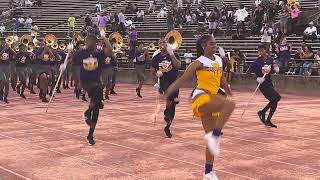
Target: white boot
[(213, 143), (210, 176)]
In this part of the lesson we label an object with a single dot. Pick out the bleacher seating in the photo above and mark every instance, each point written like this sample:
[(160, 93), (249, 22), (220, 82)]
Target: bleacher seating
[(52, 17)]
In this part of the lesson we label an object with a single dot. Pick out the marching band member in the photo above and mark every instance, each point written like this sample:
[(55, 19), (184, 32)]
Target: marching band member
[(90, 74), (6, 55), (265, 65), (206, 102), (44, 56), (141, 55), (22, 61), (107, 73), (166, 65)]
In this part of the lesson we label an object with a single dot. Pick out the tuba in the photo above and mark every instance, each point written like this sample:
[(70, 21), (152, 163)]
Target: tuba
[(77, 38), (55, 46), (50, 40), (116, 41), (29, 48), (26, 39), (174, 39), (9, 40)]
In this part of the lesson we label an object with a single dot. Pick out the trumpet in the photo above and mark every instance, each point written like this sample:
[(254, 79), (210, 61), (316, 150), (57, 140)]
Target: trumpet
[(116, 41), (174, 39), (50, 40), (26, 39), (9, 40), (151, 47)]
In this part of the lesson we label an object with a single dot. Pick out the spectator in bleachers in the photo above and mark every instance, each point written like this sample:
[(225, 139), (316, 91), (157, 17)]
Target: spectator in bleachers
[(131, 9), (133, 37), (98, 7), (163, 12), (88, 20), (28, 3), (257, 20), (240, 60), (71, 25), (316, 64), (179, 18), (213, 21), (307, 65), (21, 21), (189, 19), (294, 18), (180, 3), (152, 6), (102, 22), (122, 21), (283, 50), (230, 19), (284, 18), (240, 15), (257, 2), (310, 32), (29, 23), (139, 15), (34, 30), (128, 24), (10, 4), (170, 20), (2, 29), (266, 32)]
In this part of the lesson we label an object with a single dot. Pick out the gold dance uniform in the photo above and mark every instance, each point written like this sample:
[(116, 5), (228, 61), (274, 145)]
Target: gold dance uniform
[(208, 83)]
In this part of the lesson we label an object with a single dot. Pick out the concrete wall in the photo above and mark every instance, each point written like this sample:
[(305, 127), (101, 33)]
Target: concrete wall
[(286, 84)]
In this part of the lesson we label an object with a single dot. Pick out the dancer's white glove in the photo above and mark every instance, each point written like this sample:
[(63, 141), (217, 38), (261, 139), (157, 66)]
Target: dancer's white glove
[(266, 69), (63, 67), (159, 74), (170, 50), (260, 80)]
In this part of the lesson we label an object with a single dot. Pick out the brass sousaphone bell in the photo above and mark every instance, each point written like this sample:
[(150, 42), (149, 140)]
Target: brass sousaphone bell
[(77, 38), (62, 46), (50, 40), (9, 40), (116, 41), (174, 39), (26, 39)]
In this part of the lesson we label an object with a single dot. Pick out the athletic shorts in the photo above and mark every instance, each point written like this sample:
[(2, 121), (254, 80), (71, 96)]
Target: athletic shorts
[(94, 90), (106, 76), (76, 72), (269, 92), (22, 73)]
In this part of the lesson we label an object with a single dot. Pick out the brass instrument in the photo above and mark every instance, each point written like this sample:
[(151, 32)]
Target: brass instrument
[(116, 41), (26, 39), (9, 40), (30, 48), (62, 46), (77, 38), (151, 47), (50, 39), (174, 39), (55, 46)]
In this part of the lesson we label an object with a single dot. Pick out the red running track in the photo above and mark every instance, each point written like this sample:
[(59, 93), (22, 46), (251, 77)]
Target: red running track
[(39, 145)]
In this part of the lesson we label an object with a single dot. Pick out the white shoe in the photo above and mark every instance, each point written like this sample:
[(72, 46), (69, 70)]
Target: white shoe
[(210, 176), (213, 143)]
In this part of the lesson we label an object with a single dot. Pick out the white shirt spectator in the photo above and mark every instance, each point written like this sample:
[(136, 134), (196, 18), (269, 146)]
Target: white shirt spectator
[(140, 13), (2, 29), (187, 57), (266, 34), (257, 2), (21, 20), (128, 23), (28, 21), (162, 13), (122, 19), (28, 3), (310, 30), (188, 18), (241, 14), (98, 7)]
